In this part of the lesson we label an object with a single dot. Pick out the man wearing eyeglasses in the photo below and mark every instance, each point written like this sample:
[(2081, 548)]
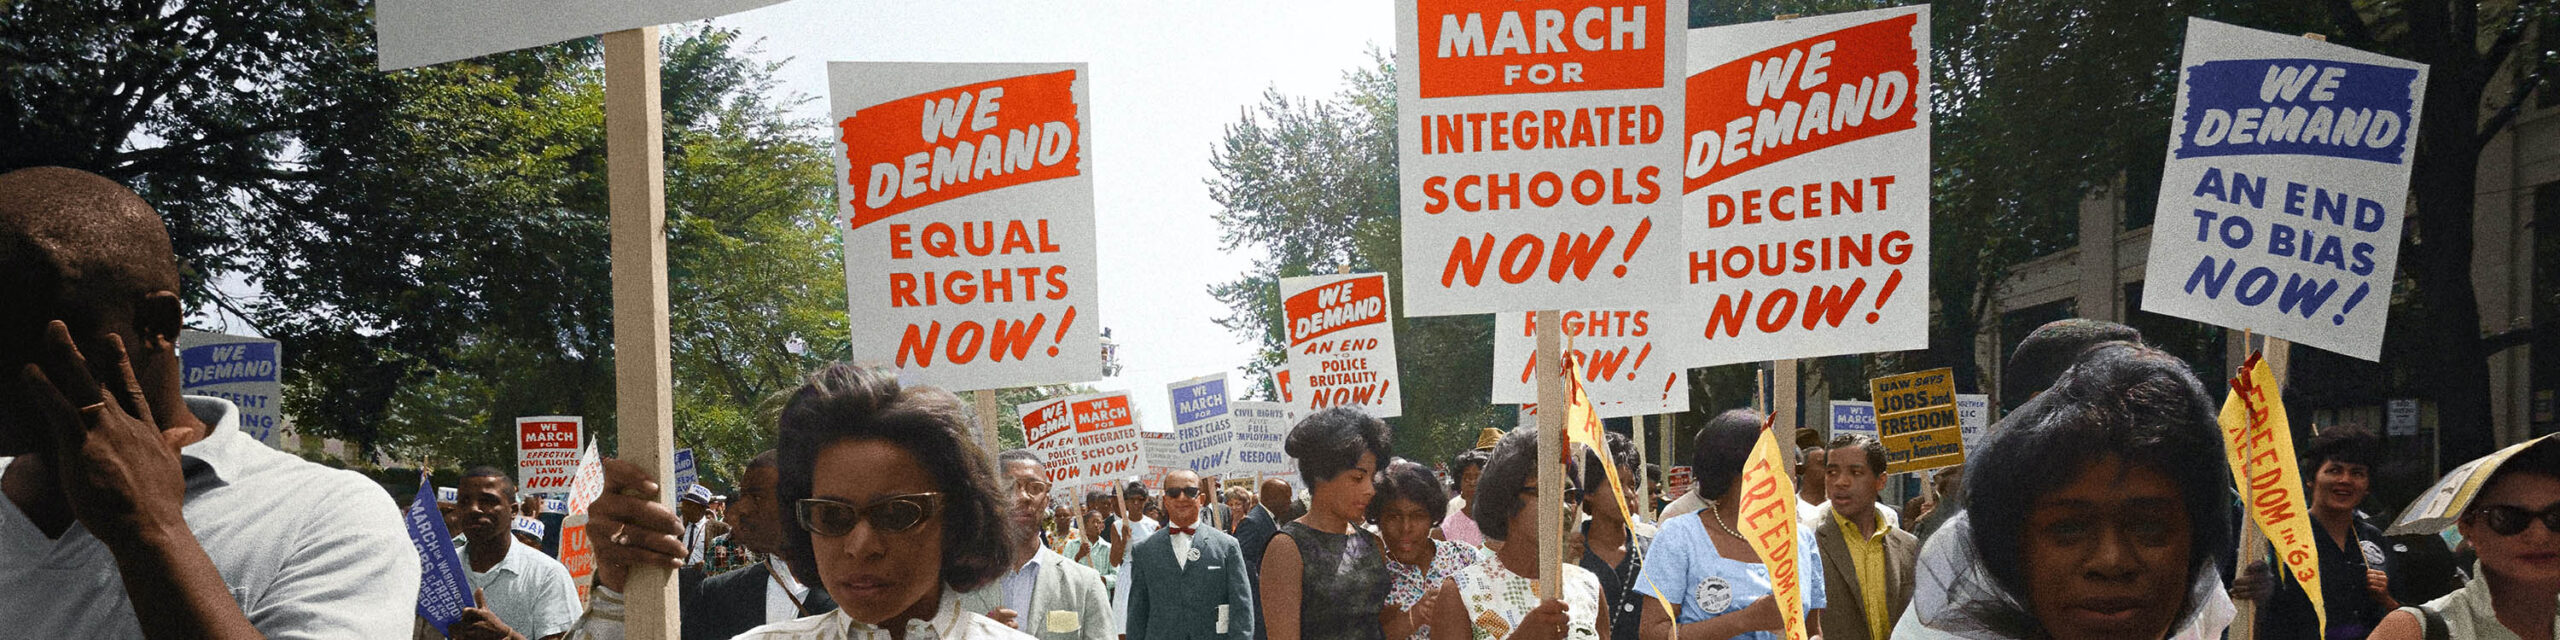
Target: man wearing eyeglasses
[(728, 604), (1188, 581), (1046, 594)]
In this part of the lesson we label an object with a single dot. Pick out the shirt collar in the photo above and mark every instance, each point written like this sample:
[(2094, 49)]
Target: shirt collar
[(946, 618), (221, 450), (1883, 524)]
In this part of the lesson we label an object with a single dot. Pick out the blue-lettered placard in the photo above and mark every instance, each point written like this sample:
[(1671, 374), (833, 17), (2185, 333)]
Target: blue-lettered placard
[(443, 589), (1203, 433), (2285, 189), (246, 370)]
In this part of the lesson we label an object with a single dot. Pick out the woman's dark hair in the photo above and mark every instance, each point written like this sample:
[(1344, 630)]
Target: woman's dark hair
[(842, 402), (1331, 441), (1407, 480), (2120, 400), (1458, 466), (2343, 444), (1722, 446), (1513, 462), (1622, 452)]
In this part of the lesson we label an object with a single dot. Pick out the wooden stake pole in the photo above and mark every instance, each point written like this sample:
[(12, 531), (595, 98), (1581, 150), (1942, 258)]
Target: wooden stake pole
[(635, 170), (1644, 489), (985, 399), (1551, 482)]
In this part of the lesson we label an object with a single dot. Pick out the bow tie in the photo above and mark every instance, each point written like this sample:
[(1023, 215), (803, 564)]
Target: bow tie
[(1183, 530)]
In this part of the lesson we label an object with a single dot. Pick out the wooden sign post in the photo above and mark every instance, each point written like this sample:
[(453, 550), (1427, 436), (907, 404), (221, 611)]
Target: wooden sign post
[(2253, 543), (1552, 408), (635, 170), (988, 419)]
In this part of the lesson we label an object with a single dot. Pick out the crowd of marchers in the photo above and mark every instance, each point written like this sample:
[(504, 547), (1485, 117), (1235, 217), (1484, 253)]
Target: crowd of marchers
[(2100, 507)]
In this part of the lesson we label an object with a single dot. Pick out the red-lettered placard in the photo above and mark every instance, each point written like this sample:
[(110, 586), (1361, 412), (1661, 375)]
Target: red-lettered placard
[(547, 453), (1048, 428), (1489, 47), (1539, 148), (1807, 187), (1803, 96), (1107, 442), (1342, 348), (941, 145), (966, 198), (1627, 364)]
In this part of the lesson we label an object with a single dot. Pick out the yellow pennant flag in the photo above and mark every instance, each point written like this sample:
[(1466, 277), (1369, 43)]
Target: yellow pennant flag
[(1768, 512), (1582, 427), (2259, 443)]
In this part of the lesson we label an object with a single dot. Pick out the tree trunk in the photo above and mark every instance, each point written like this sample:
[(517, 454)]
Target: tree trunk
[(2454, 367)]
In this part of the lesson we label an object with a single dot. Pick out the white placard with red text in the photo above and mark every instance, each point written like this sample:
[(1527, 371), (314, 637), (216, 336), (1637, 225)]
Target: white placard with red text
[(547, 453), (1084, 439), (412, 33), (1806, 176), (1342, 343), (965, 193), (1627, 364), (1538, 146)]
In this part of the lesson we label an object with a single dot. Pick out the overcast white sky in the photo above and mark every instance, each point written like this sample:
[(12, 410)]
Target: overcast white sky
[(1167, 77)]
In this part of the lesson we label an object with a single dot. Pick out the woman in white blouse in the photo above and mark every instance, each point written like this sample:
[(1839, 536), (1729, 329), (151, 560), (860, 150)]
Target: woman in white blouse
[(886, 497)]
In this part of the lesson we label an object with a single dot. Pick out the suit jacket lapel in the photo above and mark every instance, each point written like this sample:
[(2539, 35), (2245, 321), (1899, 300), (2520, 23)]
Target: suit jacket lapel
[(1839, 565)]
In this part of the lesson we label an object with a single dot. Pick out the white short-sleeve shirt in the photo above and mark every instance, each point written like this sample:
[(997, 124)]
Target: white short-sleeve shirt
[(529, 591), (306, 550)]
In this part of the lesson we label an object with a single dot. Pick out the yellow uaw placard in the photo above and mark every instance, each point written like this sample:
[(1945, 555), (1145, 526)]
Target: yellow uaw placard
[(1916, 420), (1768, 512), (2259, 443)]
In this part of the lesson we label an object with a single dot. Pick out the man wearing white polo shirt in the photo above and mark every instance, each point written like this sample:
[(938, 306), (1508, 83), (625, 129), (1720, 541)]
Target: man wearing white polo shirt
[(133, 511), (521, 593)]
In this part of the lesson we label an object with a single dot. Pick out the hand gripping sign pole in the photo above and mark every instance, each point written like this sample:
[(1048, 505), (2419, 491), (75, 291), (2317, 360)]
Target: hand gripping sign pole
[(1551, 396), (635, 167)]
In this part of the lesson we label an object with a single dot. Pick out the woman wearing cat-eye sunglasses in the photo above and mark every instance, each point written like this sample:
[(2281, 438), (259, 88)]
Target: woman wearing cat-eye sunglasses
[(2514, 524)]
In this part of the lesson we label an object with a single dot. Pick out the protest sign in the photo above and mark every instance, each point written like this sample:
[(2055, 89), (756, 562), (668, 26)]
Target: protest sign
[(1624, 357), (588, 484), (1162, 448), (1049, 429), (247, 371), (2285, 187), (2401, 417), (685, 472), (1680, 478), (1342, 343), (1768, 513), (965, 194), (1973, 417), (1202, 425), (547, 453), (1084, 440), (2258, 440), (1916, 419), (1537, 150), (1261, 436), (578, 554), (443, 591), (413, 33), (1807, 186), (1853, 417)]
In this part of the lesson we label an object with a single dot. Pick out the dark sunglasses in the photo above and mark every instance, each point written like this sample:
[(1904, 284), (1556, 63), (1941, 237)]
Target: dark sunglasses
[(893, 514), (2509, 520), (1183, 492)]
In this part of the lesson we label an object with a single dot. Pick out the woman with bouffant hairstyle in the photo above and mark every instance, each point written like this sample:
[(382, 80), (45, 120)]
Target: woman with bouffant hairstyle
[(891, 503)]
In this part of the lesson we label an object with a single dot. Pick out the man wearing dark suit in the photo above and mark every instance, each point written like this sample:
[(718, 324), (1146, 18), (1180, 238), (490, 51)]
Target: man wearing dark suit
[(728, 604), (1188, 581), (1866, 560), (1259, 525), (1046, 594)]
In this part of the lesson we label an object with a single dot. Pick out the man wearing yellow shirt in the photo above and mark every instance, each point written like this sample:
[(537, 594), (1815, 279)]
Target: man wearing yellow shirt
[(1866, 560)]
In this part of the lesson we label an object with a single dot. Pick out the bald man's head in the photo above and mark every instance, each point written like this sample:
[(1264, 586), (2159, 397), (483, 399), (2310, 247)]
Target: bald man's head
[(82, 249), (1276, 493)]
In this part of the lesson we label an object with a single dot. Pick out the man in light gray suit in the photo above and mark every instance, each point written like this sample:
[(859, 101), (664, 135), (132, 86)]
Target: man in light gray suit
[(1046, 594), (1188, 581)]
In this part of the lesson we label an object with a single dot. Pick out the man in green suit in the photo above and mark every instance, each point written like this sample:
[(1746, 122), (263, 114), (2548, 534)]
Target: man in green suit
[(1188, 581), (1046, 594)]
